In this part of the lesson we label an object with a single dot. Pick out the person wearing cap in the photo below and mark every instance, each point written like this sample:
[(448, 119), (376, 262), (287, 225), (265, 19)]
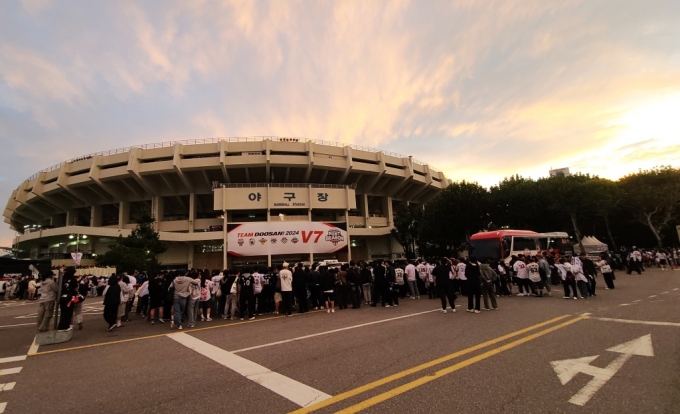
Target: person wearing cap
[(286, 278)]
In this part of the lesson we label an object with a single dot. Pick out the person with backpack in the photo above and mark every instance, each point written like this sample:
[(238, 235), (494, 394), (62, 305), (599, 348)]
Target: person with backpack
[(181, 286), (194, 298), (488, 278), (590, 273), (606, 267), (442, 282)]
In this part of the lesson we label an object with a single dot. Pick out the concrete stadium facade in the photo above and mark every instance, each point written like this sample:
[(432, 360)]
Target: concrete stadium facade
[(85, 203)]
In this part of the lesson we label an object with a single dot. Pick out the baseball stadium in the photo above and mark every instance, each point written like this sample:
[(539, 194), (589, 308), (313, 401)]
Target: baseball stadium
[(224, 201)]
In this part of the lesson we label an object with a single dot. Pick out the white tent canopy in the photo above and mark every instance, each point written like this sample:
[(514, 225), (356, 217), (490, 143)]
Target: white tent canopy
[(591, 245)]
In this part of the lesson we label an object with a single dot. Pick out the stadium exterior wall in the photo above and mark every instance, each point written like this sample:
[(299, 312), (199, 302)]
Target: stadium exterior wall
[(191, 188)]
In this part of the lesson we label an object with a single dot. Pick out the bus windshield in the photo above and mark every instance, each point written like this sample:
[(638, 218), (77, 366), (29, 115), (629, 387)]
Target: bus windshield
[(486, 248), (525, 243)]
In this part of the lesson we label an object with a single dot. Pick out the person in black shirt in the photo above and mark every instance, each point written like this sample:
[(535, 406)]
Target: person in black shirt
[(246, 294), (473, 275), (382, 288), (443, 284), (69, 289)]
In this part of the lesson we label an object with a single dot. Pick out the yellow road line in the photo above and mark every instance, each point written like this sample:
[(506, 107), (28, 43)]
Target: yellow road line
[(394, 377), (428, 378), (141, 338)]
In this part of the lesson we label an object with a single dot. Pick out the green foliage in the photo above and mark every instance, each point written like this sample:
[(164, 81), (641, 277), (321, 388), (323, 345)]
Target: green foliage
[(653, 197), (459, 211), (137, 251), (578, 204), (407, 221)]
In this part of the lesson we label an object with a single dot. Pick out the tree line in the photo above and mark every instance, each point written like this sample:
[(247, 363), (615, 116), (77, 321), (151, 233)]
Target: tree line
[(639, 209)]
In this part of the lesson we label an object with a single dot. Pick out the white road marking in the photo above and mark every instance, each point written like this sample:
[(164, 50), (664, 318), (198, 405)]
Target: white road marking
[(288, 388), (638, 300), (652, 296), (19, 324), (663, 293), (625, 304), (3, 405), (33, 349), (569, 368), (12, 359), (7, 387), (656, 323), (676, 288), (299, 338), (9, 371), (656, 301)]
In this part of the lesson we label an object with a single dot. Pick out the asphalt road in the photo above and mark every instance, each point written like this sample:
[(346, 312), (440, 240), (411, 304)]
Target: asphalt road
[(409, 359)]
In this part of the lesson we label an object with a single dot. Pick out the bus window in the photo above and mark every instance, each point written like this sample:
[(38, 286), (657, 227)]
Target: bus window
[(485, 248), (524, 243)]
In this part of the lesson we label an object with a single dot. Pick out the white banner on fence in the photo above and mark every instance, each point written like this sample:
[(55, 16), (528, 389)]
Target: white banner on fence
[(269, 238)]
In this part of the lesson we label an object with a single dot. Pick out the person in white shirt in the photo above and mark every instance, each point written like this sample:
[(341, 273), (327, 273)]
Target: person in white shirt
[(607, 269), (431, 290), (520, 269), (410, 271), (461, 284), (581, 279), (662, 258), (286, 277), (635, 261)]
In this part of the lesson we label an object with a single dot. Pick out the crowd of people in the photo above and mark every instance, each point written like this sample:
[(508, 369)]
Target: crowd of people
[(185, 296)]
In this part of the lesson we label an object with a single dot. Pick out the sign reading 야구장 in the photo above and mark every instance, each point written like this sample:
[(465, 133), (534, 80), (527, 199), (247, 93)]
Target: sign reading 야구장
[(269, 238)]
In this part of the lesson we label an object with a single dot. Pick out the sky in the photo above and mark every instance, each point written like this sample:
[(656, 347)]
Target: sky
[(479, 89)]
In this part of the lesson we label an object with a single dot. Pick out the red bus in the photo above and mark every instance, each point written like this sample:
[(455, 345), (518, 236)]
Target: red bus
[(502, 244)]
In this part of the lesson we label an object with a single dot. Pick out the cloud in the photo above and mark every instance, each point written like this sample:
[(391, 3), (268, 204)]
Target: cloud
[(481, 90)]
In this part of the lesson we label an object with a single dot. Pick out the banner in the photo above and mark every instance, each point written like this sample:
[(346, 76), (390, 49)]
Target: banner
[(269, 238), (76, 258)]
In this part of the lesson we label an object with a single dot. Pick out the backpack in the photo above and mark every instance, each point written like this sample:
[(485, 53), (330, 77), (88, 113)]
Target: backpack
[(399, 275), (570, 277), (205, 294)]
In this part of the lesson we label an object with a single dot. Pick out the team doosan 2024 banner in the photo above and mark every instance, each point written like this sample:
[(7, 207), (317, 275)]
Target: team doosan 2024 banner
[(269, 238)]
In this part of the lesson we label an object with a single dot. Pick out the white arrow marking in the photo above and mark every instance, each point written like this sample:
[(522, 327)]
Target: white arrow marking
[(569, 368)]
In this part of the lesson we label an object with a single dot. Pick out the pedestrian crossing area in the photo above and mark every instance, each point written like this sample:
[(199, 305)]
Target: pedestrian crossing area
[(8, 373)]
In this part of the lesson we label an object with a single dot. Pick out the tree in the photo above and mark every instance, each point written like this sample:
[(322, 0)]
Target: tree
[(519, 203), (406, 225), (457, 212), (569, 195), (654, 197), (606, 196), (137, 251)]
